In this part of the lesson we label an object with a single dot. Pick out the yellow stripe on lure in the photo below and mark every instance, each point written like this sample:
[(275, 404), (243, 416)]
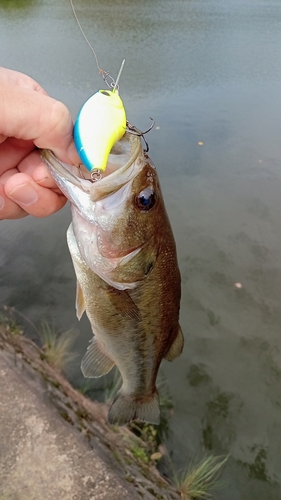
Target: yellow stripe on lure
[(100, 124)]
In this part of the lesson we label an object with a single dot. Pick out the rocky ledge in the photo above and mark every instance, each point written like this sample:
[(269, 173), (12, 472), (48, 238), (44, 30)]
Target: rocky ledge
[(56, 444)]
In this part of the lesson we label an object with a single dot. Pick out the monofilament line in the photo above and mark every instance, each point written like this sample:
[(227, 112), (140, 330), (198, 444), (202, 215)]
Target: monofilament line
[(81, 29)]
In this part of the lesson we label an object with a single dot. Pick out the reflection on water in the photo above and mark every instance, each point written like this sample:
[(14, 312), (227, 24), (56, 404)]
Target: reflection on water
[(206, 71), (12, 5)]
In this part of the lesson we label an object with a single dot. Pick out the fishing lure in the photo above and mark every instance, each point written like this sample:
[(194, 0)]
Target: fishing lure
[(101, 122)]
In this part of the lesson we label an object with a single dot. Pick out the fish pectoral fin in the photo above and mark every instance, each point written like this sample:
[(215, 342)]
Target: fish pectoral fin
[(123, 303), (125, 408), (176, 347), (95, 363), (80, 303)]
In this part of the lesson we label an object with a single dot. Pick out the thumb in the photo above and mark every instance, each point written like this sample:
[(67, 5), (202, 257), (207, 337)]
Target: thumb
[(30, 115)]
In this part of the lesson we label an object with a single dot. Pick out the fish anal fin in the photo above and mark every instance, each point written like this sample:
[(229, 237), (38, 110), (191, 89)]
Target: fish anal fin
[(95, 363), (176, 347), (80, 303), (123, 303), (126, 408)]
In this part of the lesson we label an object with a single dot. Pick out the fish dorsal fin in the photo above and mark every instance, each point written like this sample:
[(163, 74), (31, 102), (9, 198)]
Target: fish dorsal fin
[(176, 347), (80, 303), (95, 363), (123, 303)]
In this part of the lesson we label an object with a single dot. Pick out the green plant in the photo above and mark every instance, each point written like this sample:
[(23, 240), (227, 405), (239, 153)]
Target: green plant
[(57, 346), (140, 454), (201, 479), (148, 434)]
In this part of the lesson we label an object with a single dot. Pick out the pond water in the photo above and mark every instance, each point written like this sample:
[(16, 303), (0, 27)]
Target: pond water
[(207, 71)]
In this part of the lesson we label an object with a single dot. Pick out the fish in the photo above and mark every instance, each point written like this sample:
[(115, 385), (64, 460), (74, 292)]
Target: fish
[(128, 280)]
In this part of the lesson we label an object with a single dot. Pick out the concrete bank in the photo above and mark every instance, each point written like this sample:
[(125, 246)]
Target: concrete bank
[(55, 443)]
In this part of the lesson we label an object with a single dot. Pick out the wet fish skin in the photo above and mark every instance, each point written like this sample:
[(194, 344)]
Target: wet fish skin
[(128, 282)]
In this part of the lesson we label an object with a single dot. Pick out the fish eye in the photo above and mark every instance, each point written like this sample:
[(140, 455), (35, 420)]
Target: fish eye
[(146, 199), (104, 92)]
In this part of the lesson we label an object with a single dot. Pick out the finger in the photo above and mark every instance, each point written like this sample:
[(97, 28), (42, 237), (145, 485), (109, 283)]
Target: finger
[(39, 118), (8, 208), (12, 151), (16, 78), (32, 198), (33, 166)]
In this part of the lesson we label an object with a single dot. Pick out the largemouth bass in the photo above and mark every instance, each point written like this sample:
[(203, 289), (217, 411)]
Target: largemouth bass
[(128, 280)]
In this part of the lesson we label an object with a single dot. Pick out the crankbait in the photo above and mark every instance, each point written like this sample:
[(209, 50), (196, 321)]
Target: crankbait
[(101, 122)]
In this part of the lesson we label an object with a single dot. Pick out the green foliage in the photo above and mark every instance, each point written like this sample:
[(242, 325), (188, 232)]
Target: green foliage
[(148, 434), (200, 480), (57, 346), (140, 454)]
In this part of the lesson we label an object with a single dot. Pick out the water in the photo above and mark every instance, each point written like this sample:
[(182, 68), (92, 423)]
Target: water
[(207, 71)]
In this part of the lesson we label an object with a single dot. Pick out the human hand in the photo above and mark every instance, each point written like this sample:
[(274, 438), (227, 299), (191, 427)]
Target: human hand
[(30, 119)]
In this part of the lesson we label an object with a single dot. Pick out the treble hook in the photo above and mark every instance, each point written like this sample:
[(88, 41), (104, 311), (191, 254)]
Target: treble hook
[(133, 130)]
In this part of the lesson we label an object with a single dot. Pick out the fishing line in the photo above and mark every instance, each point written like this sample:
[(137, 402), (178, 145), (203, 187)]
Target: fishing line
[(110, 82), (81, 29)]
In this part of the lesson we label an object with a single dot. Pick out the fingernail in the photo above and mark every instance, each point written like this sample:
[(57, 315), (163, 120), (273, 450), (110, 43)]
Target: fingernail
[(24, 194), (2, 202)]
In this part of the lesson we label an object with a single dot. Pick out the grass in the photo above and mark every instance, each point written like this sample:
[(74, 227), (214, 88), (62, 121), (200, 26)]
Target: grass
[(57, 346), (86, 387), (199, 481), (7, 319)]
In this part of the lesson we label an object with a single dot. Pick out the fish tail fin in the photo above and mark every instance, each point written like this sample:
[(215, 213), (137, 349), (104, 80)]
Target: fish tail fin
[(126, 408)]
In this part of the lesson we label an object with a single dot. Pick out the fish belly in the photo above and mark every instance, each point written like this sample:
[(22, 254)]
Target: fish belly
[(118, 340)]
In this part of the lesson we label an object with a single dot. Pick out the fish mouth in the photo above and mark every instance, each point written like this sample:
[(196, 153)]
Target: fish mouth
[(125, 160)]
